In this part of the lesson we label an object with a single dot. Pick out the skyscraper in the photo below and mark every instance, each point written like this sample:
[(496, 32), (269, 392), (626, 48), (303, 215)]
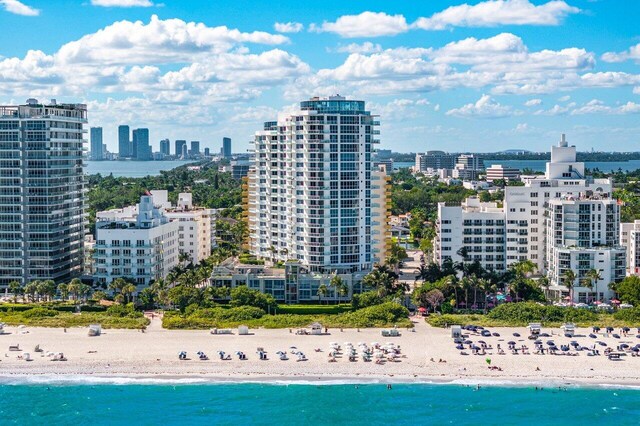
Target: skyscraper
[(310, 190), (165, 147), (179, 144), (226, 147), (206, 152), (195, 148), (141, 147), (96, 144), (124, 150), (42, 183)]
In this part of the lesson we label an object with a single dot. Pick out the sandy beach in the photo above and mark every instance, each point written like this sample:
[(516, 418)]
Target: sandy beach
[(130, 353)]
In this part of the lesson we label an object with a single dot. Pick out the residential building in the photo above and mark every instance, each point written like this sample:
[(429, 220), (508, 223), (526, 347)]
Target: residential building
[(434, 160), (185, 152), (226, 147), (96, 153), (500, 172), (165, 147), (138, 243), (471, 161), (630, 240), (180, 144), (195, 149), (141, 146), (524, 213), (42, 188), (207, 152), (239, 169), (583, 234), (479, 227), (291, 284), (194, 224), (310, 192), (124, 142)]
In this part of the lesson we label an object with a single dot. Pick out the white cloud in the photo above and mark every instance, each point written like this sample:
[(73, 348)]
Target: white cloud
[(632, 54), (209, 62), (122, 3), (533, 102), (485, 107), (564, 98), (288, 27), (366, 24), (636, 90), (493, 13), (366, 47), (19, 8), (436, 107)]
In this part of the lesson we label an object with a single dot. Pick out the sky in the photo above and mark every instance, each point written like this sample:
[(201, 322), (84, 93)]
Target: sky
[(479, 76)]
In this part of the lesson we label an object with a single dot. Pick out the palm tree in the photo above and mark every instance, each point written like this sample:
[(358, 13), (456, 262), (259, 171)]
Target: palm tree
[(16, 289), (568, 279), (322, 292), (74, 288), (338, 285), (63, 289), (47, 289), (127, 291), (31, 289), (594, 276)]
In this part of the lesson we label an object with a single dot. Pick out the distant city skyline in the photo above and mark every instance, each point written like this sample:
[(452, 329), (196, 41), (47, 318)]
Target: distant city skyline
[(482, 75)]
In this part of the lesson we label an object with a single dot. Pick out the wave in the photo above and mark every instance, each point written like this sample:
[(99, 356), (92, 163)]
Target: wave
[(91, 380)]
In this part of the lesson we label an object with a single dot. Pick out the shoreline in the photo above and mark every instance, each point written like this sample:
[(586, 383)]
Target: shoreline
[(145, 379)]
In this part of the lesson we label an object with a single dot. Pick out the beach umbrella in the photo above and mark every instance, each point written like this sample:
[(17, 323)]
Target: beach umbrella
[(602, 343), (511, 343), (516, 334), (609, 329), (479, 328), (488, 361), (626, 329), (596, 329), (482, 341), (593, 336), (496, 334), (468, 342), (617, 336), (624, 346), (614, 301), (460, 347), (422, 309), (636, 349)]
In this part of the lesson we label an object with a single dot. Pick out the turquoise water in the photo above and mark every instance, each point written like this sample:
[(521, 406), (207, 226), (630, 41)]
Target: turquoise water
[(273, 404), (131, 168), (540, 165)]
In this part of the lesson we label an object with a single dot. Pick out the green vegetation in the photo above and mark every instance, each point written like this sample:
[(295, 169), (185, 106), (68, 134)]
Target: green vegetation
[(51, 315), (523, 313), (215, 190), (384, 315)]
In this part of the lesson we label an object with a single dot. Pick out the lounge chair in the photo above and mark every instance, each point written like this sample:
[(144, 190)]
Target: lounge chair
[(14, 348)]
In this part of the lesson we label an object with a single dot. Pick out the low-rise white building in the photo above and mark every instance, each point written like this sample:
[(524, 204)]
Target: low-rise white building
[(194, 227), (630, 240), (480, 227), (142, 247), (500, 172)]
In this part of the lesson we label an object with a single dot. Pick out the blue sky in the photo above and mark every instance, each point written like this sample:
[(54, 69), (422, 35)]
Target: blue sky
[(475, 76)]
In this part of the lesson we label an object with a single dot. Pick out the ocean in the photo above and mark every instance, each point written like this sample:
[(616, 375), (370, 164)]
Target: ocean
[(312, 404), (540, 165), (131, 168)]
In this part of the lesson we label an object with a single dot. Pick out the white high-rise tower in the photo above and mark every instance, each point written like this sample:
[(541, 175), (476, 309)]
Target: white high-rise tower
[(313, 193)]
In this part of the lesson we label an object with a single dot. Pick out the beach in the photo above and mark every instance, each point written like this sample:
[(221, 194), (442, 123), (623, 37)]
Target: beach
[(426, 355)]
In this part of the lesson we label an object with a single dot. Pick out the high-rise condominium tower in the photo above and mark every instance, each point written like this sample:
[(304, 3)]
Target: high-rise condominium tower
[(141, 147), (42, 183), (312, 188), (124, 142), (226, 147), (179, 144), (96, 144), (165, 147)]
